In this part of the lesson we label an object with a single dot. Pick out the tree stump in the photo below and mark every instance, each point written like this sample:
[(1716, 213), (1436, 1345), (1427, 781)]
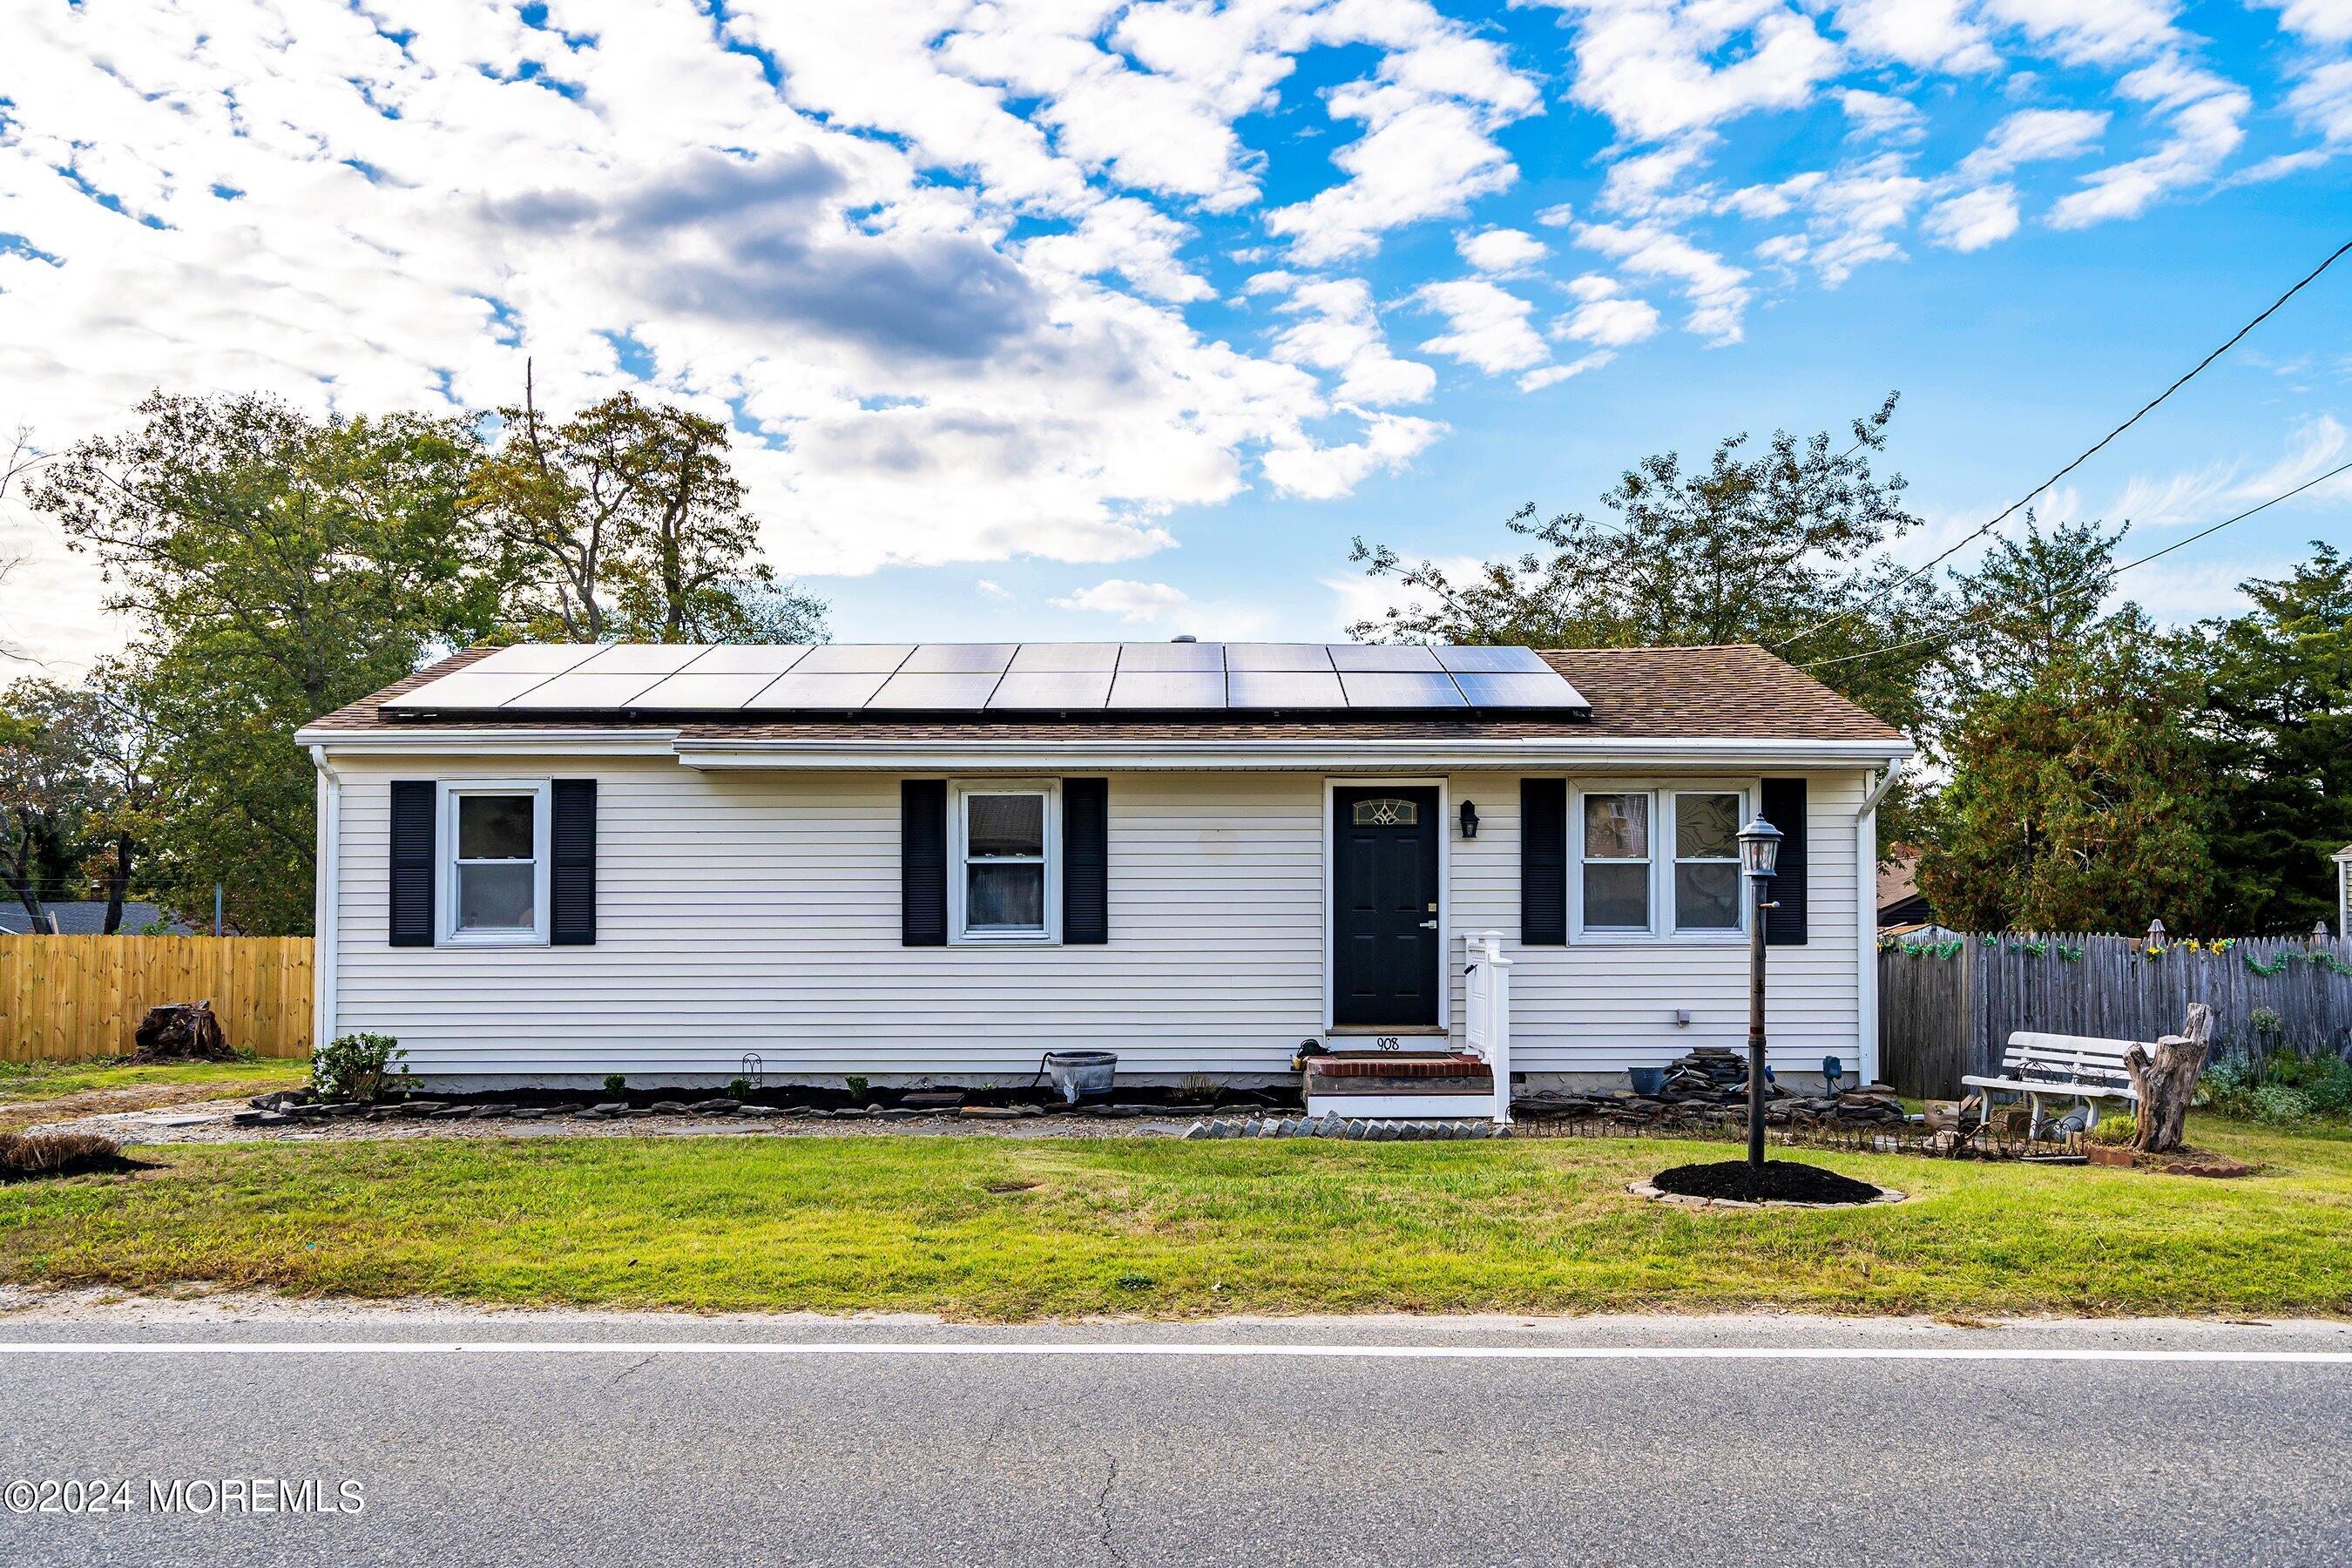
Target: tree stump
[(181, 1032), (2167, 1081)]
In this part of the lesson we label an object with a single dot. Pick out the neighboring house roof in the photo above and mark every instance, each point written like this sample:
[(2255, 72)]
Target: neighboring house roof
[(2345, 853), (1898, 875), (83, 918), (1737, 691)]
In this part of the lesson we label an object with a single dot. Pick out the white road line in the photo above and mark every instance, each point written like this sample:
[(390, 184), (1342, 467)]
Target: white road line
[(1309, 1352)]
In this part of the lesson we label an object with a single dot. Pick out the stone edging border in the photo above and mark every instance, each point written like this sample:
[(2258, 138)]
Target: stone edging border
[(1682, 1200)]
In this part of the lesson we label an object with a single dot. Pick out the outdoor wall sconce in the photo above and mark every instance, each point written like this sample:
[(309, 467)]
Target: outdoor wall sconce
[(1469, 820)]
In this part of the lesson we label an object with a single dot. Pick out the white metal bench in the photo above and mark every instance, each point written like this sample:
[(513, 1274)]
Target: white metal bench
[(2080, 1067)]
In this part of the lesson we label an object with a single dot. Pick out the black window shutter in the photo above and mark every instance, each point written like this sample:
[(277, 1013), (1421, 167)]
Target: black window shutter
[(1543, 862), (923, 862), (413, 813), (1086, 861), (1784, 807), (572, 878)]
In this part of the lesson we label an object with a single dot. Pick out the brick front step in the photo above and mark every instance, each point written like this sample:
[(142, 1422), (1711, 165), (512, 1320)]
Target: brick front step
[(1392, 1064), (1357, 1085)]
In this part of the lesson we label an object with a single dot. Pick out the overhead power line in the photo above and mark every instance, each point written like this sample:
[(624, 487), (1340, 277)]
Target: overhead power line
[(2018, 505), (2101, 578)]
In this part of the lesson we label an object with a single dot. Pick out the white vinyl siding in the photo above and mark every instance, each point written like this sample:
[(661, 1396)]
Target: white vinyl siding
[(758, 911), (751, 911), (1607, 1004)]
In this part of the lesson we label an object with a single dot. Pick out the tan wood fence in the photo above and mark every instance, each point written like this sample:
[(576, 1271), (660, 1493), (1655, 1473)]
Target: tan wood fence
[(65, 998), (1948, 1002)]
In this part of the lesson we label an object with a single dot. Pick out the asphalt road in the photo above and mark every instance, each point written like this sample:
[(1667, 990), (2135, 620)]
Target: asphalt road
[(671, 1451)]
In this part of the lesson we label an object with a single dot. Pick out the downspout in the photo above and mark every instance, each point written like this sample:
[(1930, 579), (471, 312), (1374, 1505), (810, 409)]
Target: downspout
[(1866, 915), (326, 915)]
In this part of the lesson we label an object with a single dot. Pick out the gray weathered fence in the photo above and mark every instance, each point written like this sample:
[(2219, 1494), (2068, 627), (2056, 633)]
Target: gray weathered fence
[(1945, 1010)]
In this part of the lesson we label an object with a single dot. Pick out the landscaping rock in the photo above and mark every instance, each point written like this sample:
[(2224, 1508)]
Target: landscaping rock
[(452, 1112), (933, 1100), (718, 1107)]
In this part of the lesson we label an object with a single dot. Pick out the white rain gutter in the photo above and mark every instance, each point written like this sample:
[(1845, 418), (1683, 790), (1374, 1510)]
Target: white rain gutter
[(326, 918), (1866, 915)]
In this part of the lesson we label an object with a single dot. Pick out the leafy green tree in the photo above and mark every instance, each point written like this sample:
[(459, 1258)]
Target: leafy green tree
[(2076, 799), (1783, 547), (41, 796), (276, 567), (2276, 738), (627, 521)]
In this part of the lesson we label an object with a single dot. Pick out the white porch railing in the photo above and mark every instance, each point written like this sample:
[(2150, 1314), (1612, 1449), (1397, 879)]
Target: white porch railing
[(1486, 1012)]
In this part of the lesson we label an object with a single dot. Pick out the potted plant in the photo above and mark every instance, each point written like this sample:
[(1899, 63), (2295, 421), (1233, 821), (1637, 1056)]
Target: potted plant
[(2110, 1142)]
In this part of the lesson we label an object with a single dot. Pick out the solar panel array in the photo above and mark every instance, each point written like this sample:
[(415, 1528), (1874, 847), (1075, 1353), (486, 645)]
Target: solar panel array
[(748, 682)]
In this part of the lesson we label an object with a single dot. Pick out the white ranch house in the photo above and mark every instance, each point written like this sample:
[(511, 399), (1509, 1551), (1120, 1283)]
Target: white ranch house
[(541, 865)]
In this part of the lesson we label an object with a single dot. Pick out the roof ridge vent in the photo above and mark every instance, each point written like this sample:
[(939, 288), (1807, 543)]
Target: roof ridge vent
[(1183, 637)]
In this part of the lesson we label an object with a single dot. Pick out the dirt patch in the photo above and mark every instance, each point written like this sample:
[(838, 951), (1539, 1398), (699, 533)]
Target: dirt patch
[(117, 1101), (1780, 1181), (2188, 1162)]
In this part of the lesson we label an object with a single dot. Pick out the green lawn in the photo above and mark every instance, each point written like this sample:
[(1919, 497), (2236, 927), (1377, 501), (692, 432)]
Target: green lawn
[(51, 1080), (1011, 1228)]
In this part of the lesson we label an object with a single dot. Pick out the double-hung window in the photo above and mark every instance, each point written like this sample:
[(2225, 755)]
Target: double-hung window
[(1658, 863), (494, 881), (1004, 877)]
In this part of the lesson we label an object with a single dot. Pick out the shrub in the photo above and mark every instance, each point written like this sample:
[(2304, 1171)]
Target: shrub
[(2275, 1103), (738, 1089), (2323, 1078), (2116, 1128), (615, 1084), (360, 1068), (856, 1083)]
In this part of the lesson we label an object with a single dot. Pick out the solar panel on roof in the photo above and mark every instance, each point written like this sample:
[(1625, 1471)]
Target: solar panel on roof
[(827, 692), (649, 659), (1059, 690), (951, 658), (1401, 689), (935, 691), (1283, 688), (1168, 690), (1381, 656), (1151, 656), (854, 658), (547, 658), (1257, 656), (583, 689), (750, 658), (1042, 658), (697, 692), (1518, 688), (470, 688), (1501, 660)]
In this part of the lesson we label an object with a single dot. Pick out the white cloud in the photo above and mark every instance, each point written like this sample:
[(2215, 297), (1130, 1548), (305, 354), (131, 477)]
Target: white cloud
[(1341, 331), (1612, 324), (988, 590), (1717, 291), (2205, 126), (1322, 472), (1974, 219), (1657, 68), (1930, 35), (1136, 603), (1488, 326), (1882, 116), (1500, 252), (2033, 135)]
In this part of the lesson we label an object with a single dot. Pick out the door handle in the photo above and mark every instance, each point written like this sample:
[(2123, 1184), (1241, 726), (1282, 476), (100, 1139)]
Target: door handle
[(1429, 925)]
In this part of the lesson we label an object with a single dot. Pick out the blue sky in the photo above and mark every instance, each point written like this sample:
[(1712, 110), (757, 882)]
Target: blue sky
[(1085, 318)]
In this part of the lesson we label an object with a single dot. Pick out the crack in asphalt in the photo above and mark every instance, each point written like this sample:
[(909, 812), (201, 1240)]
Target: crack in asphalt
[(1102, 1514)]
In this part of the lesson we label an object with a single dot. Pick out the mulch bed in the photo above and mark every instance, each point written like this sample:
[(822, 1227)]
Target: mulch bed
[(2187, 1162), (1782, 1181)]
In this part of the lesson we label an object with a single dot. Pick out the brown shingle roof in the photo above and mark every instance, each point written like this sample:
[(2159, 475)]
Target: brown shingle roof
[(1737, 691)]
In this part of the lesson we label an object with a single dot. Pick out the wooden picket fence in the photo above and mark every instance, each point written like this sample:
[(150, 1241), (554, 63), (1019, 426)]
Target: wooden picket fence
[(1949, 1001), (67, 998)]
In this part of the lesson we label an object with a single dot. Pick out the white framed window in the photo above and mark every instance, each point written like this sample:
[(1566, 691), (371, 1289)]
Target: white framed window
[(493, 877), (1004, 881), (1613, 838), (1657, 863)]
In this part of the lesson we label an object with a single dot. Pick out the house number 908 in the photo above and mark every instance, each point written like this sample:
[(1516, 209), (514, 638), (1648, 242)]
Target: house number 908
[(1386, 1042)]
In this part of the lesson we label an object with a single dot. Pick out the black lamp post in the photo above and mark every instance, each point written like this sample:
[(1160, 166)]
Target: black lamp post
[(1759, 856)]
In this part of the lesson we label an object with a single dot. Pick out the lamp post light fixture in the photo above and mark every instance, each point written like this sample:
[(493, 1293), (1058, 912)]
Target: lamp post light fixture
[(1759, 856)]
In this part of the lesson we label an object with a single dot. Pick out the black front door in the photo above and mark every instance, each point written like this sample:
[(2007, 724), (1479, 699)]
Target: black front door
[(1385, 943)]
